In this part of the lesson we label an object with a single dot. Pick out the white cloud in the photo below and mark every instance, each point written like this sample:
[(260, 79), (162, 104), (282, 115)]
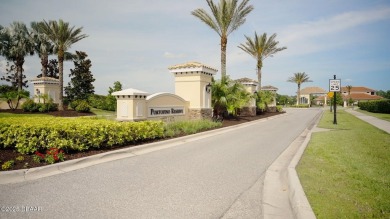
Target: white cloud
[(313, 36)]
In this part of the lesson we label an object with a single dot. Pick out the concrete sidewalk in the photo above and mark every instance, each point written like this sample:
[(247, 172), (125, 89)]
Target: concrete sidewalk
[(379, 123)]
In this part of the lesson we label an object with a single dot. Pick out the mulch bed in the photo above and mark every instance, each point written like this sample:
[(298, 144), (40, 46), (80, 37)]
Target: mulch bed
[(27, 162)]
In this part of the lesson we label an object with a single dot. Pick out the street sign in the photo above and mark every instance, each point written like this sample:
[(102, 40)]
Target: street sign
[(334, 85), (330, 94)]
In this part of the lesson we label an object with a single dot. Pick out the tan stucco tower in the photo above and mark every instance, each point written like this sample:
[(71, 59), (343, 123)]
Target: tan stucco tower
[(193, 83), (46, 85), (250, 86)]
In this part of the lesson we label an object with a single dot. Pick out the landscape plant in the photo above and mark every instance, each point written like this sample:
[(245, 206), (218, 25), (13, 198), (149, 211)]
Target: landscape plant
[(63, 37), (299, 78), (15, 45), (80, 86), (30, 134), (261, 47), (225, 18)]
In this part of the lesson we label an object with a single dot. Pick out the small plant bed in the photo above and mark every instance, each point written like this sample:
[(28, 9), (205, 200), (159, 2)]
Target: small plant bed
[(13, 160)]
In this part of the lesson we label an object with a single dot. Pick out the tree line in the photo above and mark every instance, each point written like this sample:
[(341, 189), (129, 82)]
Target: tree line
[(43, 38)]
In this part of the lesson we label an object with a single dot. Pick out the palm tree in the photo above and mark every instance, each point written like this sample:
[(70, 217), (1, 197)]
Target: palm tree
[(15, 45), (260, 48), (349, 88), (42, 45), (299, 78), (62, 36), (228, 95), (226, 17)]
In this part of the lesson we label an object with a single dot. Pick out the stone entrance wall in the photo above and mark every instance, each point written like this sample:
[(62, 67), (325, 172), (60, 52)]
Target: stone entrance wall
[(195, 114), (248, 111)]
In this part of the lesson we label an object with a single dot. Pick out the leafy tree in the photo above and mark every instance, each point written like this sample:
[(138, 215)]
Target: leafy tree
[(13, 97), (63, 37), (225, 18), (117, 87), (339, 99), (6, 88), (52, 69), (15, 45), (11, 76), (384, 94), (261, 47), (349, 88), (80, 85), (299, 78)]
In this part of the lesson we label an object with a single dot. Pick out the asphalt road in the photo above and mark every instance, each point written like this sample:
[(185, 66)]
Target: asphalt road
[(214, 177)]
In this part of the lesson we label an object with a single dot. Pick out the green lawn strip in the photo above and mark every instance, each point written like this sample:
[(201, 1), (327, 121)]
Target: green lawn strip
[(8, 115), (104, 113), (346, 172), (377, 115)]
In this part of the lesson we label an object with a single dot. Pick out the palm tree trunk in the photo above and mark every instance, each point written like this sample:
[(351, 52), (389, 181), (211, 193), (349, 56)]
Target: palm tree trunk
[(298, 94), (44, 63), (223, 56), (259, 65), (61, 80), (19, 70)]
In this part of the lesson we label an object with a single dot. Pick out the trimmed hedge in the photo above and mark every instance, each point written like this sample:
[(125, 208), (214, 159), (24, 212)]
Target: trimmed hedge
[(28, 135), (376, 106)]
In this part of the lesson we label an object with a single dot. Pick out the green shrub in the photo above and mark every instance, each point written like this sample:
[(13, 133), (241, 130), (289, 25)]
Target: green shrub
[(376, 106), (102, 102), (83, 107), (28, 135), (74, 104), (30, 106), (7, 165), (279, 108)]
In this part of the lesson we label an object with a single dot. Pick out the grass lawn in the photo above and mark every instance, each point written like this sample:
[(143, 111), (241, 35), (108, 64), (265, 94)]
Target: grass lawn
[(346, 172), (377, 115), (104, 113)]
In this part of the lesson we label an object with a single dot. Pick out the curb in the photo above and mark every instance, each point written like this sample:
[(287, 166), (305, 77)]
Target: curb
[(283, 195), (17, 176)]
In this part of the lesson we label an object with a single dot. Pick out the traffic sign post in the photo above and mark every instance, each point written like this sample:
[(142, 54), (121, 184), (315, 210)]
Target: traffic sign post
[(334, 86)]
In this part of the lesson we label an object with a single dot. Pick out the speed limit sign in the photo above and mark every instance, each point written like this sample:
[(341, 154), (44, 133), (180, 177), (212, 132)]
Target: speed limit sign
[(334, 85)]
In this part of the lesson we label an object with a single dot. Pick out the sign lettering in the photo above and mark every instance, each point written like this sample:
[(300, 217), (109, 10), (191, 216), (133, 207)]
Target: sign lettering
[(165, 111)]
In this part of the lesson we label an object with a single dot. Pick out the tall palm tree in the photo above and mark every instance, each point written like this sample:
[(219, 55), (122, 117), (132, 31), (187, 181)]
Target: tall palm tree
[(15, 45), (349, 88), (42, 45), (261, 47), (226, 17), (63, 37), (299, 78)]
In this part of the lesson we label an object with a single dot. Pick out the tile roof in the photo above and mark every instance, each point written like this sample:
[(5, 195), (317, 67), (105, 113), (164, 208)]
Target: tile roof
[(45, 79), (269, 87), (246, 80), (357, 89), (361, 96), (129, 91), (191, 65), (313, 90)]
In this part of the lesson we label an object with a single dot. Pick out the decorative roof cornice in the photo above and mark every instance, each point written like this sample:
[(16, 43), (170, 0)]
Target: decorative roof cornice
[(191, 67)]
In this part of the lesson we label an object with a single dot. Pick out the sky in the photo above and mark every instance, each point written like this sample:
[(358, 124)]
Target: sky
[(135, 41)]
